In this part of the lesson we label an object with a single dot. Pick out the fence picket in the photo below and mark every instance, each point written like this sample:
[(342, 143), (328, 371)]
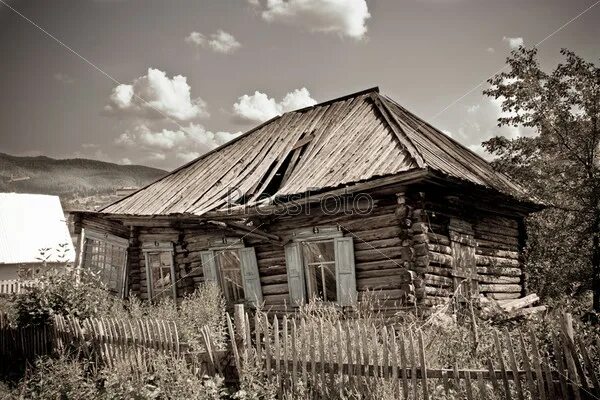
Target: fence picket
[(267, 339), (349, 355), (502, 365), (513, 365), (560, 367), (294, 358), (468, 387), (537, 365), (526, 365), (588, 364), (423, 366), (413, 366), (404, 365)]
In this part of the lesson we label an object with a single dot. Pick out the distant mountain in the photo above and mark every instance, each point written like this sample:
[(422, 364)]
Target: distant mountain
[(77, 181)]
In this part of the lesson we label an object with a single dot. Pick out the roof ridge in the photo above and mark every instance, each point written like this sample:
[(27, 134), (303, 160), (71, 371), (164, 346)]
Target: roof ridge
[(399, 133)]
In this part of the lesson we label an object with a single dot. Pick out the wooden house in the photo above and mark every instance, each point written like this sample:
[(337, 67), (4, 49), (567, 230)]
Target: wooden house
[(332, 201), (34, 237)]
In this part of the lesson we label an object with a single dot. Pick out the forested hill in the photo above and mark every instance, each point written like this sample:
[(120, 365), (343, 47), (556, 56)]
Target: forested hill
[(71, 179)]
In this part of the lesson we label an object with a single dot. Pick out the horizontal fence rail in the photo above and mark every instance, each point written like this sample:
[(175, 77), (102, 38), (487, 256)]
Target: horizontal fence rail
[(316, 358)]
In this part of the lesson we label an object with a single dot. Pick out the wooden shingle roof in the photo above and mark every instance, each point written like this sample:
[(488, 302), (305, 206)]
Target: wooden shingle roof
[(339, 142)]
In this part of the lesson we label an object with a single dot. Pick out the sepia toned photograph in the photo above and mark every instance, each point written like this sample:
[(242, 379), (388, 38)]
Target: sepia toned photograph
[(300, 199)]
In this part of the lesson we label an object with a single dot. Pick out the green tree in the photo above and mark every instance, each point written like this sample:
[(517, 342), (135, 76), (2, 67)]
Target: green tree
[(559, 164)]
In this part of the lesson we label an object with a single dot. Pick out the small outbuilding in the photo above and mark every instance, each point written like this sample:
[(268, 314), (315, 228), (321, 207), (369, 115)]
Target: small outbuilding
[(351, 196), (33, 236)]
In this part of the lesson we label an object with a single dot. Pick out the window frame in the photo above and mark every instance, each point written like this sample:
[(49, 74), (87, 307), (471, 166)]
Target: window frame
[(112, 240), (159, 247), (235, 244), (316, 234)]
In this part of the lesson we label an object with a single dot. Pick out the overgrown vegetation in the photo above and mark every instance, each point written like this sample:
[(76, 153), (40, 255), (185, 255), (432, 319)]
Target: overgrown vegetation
[(559, 165)]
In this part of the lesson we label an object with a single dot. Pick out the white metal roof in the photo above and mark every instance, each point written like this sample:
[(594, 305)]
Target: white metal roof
[(29, 223)]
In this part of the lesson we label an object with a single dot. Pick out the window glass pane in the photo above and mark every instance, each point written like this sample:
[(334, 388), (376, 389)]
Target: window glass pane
[(160, 271), (319, 264), (230, 275), (317, 252), (106, 261)]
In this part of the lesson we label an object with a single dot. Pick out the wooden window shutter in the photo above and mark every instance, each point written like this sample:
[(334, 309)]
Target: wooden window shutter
[(345, 272), (250, 276), (209, 266), (295, 273)]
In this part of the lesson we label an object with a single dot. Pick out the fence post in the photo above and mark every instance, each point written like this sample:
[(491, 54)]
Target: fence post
[(240, 325)]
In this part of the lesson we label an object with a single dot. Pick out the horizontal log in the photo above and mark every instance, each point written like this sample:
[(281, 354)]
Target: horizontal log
[(276, 299), (435, 291), (273, 279), (379, 264), (382, 283), (496, 230), (503, 296), (440, 259), (499, 288), (441, 271), (498, 279), (510, 241), (504, 271), (377, 244), (275, 289), (265, 262), (482, 243), (431, 279), (272, 270), (500, 221), (377, 273), (496, 261), (377, 234), (520, 303), (497, 253), (379, 254), (439, 248), (438, 239), (383, 294)]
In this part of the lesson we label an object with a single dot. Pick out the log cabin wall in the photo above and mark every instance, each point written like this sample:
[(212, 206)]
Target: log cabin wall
[(458, 230), (381, 257)]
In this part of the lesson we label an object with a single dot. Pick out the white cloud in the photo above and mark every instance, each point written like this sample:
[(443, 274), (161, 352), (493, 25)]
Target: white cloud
[(64, 78), (344, 17), (221, 42), (125, 161), (259, 107), (513, 42), (156, 96), (490, 50), (184, 144)]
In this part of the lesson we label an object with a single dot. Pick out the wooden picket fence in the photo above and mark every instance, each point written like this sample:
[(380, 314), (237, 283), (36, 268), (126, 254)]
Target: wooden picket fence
[(108, 341), (15, 286), (315, 359), (24, 343)]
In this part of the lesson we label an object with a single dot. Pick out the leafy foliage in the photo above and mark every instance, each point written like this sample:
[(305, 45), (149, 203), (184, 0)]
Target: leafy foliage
[(559, 165)]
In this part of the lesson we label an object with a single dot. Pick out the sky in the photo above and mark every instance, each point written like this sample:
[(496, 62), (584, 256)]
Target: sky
[(158, 82)]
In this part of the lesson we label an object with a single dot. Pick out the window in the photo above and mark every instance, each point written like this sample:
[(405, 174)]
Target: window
[(234, 268), (105, 255), (320, 264), (319, 267), (160, 270), (229, 271)]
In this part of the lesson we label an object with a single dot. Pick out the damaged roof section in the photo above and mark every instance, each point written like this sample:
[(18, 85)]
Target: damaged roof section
[(343, 141)]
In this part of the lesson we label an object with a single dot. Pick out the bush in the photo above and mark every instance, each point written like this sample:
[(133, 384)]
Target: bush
[(65, 293)]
